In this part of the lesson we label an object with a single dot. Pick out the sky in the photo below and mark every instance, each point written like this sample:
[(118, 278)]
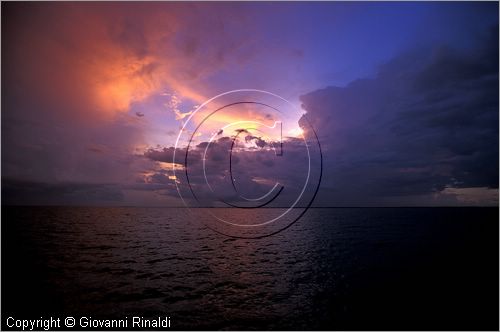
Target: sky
[(403, 98)]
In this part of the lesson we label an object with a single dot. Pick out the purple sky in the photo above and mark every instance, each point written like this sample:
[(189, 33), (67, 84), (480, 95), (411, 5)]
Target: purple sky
[(403, 97)]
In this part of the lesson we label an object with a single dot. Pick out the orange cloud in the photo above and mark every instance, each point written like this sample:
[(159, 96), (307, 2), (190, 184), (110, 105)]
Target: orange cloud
[(121, 83), (87, 58)]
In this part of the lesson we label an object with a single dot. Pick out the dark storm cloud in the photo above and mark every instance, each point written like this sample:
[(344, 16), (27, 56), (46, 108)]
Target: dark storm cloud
[(21, 192), (258, 141), (427, 121), (25, 192), (256, 169), (164, 155)]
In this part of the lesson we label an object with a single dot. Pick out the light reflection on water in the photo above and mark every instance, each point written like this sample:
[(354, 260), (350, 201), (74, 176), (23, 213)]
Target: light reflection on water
[(116, 262)]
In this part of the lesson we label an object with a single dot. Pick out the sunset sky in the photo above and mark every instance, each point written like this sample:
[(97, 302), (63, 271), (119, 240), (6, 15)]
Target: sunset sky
[(403, 96)]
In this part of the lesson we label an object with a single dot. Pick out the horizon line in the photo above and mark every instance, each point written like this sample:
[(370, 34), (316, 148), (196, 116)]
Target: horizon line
[(274, 207)]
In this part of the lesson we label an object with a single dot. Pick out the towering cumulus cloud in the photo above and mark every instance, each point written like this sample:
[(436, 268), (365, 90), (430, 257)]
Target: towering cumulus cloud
[(423, 131)]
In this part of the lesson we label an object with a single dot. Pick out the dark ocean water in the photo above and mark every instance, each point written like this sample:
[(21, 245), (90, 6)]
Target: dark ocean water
[(345, 268)]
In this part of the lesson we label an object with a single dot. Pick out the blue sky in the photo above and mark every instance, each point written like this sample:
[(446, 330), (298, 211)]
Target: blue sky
[(92, 89)]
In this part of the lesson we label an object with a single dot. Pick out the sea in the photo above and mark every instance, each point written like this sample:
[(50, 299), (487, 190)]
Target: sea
[(334, 269)]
